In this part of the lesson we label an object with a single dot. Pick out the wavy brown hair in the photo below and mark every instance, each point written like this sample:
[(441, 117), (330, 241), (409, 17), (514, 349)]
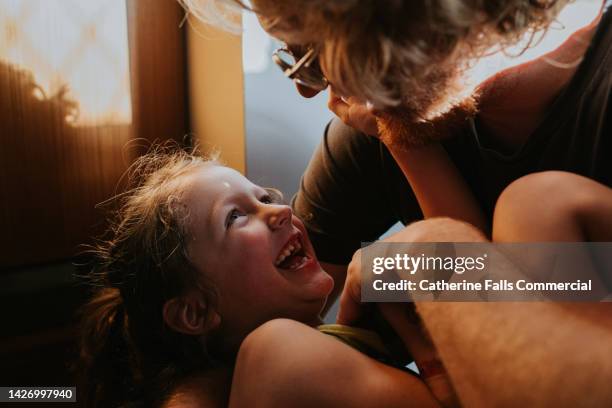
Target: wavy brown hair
[(128, 356), (393, 52)]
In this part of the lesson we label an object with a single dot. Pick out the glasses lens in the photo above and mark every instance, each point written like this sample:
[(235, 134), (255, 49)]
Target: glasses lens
[(306, 73), (284, 59)]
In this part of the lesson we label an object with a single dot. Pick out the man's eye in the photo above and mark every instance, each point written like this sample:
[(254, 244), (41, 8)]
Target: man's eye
[(231, 217)]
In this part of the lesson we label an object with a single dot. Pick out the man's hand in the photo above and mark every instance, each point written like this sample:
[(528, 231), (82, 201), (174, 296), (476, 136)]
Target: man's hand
[(438, 229), (350, 300), (351, 308), (354, 114)]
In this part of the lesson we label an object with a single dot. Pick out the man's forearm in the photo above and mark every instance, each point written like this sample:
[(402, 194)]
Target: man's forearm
[(500, 354)]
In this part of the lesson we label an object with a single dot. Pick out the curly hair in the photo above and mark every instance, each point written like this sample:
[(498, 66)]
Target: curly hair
[(385, 51), (127, 353)]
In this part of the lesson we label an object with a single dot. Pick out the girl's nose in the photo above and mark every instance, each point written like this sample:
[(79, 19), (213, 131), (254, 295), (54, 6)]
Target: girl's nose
[(278, 215)]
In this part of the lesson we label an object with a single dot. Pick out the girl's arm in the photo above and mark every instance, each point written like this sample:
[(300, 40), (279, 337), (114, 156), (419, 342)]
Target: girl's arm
[(437, 184), (441, 191)]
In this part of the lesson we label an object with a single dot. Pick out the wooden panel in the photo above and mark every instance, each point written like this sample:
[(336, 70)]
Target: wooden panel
[(53, 172), (157, 59), (216, 87)]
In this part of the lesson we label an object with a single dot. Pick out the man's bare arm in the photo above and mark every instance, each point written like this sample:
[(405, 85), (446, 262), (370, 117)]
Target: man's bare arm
[(524, 354), (510, 354), (519, 354)]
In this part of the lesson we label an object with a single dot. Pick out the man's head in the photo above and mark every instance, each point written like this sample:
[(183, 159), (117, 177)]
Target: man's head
[(392, 52)]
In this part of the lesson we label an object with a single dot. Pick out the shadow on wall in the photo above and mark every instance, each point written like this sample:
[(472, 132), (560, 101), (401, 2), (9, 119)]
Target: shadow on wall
[(52, 173)]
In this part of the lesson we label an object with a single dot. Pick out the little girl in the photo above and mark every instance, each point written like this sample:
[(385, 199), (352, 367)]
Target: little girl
[(197, 258)]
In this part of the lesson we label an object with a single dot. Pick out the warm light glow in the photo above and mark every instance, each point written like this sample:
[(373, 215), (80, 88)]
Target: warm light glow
[(573, 17), (81, 44)]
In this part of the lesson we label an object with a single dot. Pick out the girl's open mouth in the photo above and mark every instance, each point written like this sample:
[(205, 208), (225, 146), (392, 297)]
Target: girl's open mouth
[(292, 256)]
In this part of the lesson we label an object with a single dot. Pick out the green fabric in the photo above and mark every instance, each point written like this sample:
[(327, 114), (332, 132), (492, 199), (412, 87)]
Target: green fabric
[(366, 341)]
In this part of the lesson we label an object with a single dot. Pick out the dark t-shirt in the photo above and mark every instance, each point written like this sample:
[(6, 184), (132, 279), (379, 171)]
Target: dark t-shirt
[(353, 191)]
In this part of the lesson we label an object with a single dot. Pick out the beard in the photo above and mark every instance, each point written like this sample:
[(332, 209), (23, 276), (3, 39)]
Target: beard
[(429, 113)]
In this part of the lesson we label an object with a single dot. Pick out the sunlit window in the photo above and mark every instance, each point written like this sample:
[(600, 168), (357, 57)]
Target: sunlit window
[(79, 44)]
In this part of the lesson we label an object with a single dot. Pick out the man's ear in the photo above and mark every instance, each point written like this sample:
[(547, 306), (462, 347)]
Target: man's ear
[(188, 314)]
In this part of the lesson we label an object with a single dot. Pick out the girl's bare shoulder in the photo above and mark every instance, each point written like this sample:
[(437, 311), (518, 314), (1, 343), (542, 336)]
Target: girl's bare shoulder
[(209, 389), (287, 361)]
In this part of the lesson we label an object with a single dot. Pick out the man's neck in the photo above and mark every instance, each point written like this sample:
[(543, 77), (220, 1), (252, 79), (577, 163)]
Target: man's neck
[(515, 100)]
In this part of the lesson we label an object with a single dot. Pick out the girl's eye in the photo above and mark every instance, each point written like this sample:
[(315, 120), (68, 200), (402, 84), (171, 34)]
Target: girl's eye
[(266, 199), (231, 217)]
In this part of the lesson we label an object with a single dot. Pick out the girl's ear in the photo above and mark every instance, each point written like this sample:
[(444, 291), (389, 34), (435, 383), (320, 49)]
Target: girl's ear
[(188, 314)]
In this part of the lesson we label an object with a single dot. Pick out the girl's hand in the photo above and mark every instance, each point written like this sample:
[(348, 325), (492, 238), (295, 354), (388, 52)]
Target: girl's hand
[(353, 113)]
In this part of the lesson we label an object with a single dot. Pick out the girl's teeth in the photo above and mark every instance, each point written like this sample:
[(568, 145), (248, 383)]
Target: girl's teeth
[(294, 247)]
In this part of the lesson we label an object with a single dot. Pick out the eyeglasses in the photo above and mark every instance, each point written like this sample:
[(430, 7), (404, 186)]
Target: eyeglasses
[(303, 70)]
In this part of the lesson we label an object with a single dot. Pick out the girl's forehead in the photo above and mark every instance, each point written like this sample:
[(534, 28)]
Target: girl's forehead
[(225, 176), (210, 182)]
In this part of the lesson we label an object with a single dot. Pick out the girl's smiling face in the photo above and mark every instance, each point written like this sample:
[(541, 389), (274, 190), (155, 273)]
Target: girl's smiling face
[(254, 251)]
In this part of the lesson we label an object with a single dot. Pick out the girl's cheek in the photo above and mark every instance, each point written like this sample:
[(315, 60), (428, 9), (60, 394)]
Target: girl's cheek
[(256, 232)]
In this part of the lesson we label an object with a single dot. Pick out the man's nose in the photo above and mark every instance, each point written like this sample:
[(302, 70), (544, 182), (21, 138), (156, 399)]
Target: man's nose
[(305, 91), (278, 216)]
